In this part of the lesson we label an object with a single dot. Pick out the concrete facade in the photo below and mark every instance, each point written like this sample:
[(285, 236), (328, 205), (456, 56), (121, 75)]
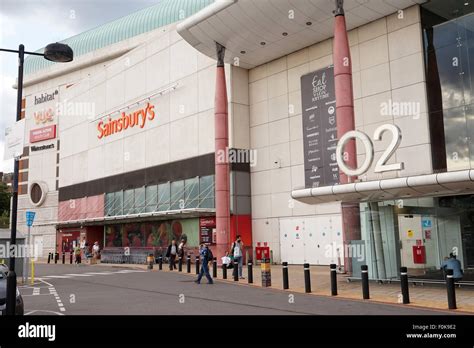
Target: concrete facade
[(387, 61)]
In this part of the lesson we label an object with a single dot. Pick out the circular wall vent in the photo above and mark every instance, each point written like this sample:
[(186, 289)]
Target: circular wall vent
[(37, 192)]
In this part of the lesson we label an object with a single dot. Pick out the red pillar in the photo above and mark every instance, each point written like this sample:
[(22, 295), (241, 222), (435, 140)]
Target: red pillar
[(345, 122), (222, 185)]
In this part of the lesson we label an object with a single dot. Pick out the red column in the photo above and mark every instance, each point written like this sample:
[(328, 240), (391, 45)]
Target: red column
[(345, 122), (222, 184)]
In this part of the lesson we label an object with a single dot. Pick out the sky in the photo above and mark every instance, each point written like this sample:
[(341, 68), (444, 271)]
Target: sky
[(35, 23)]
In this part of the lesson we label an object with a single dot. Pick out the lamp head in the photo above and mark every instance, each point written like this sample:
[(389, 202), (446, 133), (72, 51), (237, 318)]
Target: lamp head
[(58, 52)]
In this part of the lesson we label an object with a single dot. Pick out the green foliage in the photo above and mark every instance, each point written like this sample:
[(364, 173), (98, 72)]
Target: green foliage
[(4, 199), (5, 220)]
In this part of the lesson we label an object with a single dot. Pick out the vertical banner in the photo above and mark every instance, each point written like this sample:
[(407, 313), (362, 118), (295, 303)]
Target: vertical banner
[(319, 128), (207, 226)]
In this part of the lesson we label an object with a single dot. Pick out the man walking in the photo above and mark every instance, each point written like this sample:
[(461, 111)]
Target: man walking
[(171, 254), (237, 252), (206, 256)]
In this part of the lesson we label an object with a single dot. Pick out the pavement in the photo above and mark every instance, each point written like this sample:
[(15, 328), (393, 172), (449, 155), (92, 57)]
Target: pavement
[(132, 289)]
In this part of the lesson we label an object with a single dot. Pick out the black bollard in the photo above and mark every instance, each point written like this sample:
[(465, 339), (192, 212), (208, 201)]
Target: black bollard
[(250, 271), (365, 281), (160, 263), (224, 271), (333, 268), (451, 289), (180, 264), (284, 267), (404, 284), (49, 257), (307, 278), (64, 257), (70, 257), (214, 267), (188, 264), (56, 257), (197, 264), (236, 271)]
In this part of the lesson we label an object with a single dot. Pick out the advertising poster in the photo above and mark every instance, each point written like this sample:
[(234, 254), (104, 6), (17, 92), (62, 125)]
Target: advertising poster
[(319, 128)]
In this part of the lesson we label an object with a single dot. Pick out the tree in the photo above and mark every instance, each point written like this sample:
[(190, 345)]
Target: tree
[(5, 196)]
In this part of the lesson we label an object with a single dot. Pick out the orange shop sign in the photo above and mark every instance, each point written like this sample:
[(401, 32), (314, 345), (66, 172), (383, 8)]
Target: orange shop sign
[(124, 121), (44, 116)]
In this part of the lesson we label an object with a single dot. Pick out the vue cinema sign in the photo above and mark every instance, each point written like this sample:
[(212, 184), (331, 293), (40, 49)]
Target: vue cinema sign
[(125, 121)]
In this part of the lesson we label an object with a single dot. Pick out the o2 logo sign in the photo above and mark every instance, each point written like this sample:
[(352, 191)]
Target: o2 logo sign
[(381, 165)]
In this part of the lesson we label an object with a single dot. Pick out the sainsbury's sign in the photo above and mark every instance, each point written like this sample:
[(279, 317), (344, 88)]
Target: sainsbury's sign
[(137, 118)]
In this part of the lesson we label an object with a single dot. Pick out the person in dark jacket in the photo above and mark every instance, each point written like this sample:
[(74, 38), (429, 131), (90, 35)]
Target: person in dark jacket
[(206, 257), (171, 254)]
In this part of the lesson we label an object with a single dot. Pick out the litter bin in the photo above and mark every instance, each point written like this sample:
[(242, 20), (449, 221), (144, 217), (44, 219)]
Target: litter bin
[(266, 273)]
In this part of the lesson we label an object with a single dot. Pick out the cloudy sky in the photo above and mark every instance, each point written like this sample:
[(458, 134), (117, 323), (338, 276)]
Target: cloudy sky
[(35, 23)]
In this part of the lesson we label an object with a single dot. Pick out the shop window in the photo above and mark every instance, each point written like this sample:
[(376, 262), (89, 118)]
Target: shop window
[(139, 206), (118, 203), (109, 204), (449, 59), (191, 193), (206, 192), (113, 235), (164, 196), (128, 201), (133, 236), (151, 198), (177, 195)]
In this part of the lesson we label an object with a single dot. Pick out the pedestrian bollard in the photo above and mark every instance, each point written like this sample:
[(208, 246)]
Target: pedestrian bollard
[(70, 257), (451, 289), (64, 257), (56, 258), (180, 264), (404, 284), (150, 259), (365, 281), (160, 263), (224, 271), (197, 264), (214, 268), (284, 267), (235, 272), (266, 273), (333, 268), (250, 271), (307, 278), (188, 264), (49, 257)]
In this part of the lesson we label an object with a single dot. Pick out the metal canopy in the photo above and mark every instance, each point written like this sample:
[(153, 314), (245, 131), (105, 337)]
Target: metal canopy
[(431, 185), (259, 31)]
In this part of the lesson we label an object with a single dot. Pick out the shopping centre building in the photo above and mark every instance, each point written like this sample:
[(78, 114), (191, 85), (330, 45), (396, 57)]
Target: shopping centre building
[(207, 119)]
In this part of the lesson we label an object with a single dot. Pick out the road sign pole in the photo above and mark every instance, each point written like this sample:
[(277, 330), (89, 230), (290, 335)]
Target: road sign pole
[(30, 217)]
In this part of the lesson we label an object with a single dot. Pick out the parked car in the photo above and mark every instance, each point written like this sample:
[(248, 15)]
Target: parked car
[(19, 310)]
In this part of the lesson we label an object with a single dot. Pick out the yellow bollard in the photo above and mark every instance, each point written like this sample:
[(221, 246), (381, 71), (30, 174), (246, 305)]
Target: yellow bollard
[(32, 272)]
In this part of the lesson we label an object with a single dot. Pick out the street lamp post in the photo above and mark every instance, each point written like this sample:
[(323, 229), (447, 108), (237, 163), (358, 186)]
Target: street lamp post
[(55, 52)]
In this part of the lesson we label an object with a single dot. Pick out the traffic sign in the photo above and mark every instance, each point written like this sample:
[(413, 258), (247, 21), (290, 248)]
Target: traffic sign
[(30, 217)]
